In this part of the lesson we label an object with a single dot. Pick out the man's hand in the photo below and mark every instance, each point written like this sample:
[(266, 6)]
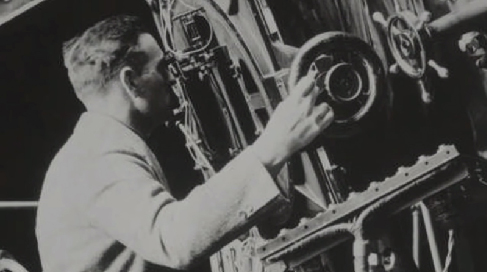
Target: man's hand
[(293, 125)]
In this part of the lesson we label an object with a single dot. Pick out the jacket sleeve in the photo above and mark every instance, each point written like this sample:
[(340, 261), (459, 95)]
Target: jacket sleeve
[(127, 202)]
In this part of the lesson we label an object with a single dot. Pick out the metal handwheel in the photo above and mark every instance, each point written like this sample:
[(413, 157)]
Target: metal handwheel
[(406, 45), (406, 36), (350, 75)]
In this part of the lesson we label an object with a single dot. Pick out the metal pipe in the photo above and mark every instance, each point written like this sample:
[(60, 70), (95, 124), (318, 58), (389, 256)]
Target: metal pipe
[(11, 205), (265, 33), (359, 231), (360, 254), (416, 236), (360, 244), (469, 11), (430, 233)]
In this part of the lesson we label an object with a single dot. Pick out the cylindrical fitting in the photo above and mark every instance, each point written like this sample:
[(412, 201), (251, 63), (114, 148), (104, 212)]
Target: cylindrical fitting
[(360, 255)]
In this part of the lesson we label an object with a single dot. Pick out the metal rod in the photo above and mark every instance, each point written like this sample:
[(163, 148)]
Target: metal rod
[(430, 233), (416, 236), (264, 32), (234, 130), (11, 205)]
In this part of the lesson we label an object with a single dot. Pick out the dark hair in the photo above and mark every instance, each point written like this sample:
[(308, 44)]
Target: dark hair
[(94, 58)]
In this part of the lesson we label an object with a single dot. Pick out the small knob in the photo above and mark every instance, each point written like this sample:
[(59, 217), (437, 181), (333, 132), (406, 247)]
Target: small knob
[(379, 18), (440, 70)]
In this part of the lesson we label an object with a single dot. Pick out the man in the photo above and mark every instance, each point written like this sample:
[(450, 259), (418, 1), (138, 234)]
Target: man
[(105, 205)]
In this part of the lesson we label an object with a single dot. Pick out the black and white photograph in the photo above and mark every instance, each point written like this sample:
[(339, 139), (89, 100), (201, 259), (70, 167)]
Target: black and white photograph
[(243, 135)]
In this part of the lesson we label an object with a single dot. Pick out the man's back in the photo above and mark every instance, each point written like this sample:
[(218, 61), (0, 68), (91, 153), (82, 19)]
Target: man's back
[(67, 239)]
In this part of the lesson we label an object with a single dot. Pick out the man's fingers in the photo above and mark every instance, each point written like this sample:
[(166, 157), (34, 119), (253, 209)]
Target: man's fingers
[(316, 91), (305, 85), (324, 115)]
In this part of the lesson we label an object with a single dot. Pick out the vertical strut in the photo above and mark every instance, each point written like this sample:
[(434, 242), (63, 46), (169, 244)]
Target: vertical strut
[(238, 137)]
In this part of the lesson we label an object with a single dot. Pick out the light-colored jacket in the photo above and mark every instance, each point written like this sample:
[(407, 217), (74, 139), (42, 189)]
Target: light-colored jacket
[(105, 205)]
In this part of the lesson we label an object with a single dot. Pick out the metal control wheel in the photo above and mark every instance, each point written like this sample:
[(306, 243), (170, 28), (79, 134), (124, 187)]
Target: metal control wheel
[(406, 45), (351, 76), (406, 33)]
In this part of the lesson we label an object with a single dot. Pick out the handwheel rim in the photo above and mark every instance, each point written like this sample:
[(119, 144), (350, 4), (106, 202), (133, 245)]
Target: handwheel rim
[(398, 50)]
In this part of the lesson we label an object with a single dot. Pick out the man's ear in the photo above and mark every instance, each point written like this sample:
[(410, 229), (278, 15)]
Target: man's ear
[(128, 78)]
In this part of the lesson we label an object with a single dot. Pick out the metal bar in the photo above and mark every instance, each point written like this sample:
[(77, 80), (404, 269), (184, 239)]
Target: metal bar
[(428, 176), (233, 123), (264, 32), (252, 100), (11, 205), (416, 236), (430, 233), (330, 178), (320, 171)]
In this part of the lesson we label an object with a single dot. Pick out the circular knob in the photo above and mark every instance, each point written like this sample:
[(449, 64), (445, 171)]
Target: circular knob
[(343, 82)]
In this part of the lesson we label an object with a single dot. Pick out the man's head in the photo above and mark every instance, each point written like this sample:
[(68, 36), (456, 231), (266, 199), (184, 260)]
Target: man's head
[(118, 64)]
